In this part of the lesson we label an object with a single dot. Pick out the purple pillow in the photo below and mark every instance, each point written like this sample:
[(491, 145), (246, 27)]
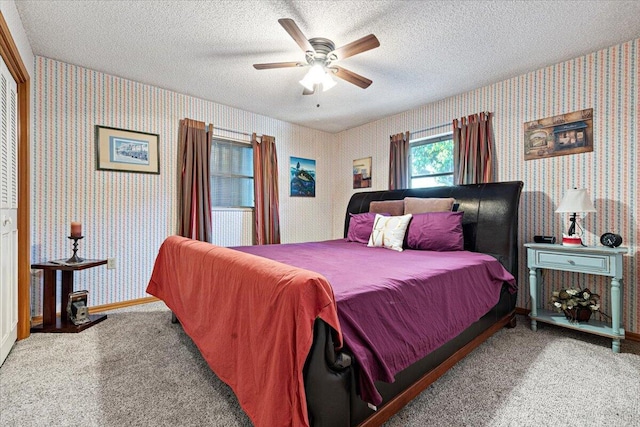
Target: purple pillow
[(360, 226), (436, 231)]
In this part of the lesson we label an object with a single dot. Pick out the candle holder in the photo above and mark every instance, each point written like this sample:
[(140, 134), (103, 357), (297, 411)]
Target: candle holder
[(75, 258)]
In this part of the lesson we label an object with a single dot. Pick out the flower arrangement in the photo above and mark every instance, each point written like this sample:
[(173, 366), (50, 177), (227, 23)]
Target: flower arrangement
[(576, 304)]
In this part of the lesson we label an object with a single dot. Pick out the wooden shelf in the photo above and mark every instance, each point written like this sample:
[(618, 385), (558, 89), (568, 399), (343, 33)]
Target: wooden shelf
[(596, 327), (66, 327)]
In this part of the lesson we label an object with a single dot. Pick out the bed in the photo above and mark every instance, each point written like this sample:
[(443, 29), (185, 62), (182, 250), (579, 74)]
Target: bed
[(286, 331)]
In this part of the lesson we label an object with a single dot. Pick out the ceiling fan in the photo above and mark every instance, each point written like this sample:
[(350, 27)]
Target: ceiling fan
[(320, 55)]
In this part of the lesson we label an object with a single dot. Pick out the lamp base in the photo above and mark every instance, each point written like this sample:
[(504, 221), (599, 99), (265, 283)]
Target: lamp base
[(571, 241)]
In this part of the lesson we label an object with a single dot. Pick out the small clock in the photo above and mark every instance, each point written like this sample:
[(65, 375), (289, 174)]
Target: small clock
[(611, 239)]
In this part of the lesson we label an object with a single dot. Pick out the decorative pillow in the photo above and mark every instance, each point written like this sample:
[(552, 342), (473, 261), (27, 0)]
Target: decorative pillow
[(417, 205), (388, 231), (392, 207), (360, 226), (436, 231)]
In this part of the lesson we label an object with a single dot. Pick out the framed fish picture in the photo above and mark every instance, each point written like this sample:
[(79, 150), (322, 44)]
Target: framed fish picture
[(302, 177)]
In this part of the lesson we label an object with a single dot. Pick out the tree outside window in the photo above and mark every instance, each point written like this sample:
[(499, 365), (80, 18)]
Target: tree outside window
[(431, 161)]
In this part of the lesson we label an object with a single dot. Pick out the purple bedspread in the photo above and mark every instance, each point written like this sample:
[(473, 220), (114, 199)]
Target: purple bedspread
[(396, 307)]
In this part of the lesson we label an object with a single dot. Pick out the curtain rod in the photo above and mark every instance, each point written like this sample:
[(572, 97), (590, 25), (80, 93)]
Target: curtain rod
[(430, 128), (236, 131), (442, 125)]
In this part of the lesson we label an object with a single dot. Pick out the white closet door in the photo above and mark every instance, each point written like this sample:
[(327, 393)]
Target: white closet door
[(8, 212)]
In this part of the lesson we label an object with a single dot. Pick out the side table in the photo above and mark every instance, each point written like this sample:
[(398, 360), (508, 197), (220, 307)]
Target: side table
[(598, 260), (50, 323)]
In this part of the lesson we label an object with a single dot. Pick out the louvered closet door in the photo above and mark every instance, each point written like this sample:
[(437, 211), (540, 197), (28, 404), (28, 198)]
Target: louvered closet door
[(8, 212)]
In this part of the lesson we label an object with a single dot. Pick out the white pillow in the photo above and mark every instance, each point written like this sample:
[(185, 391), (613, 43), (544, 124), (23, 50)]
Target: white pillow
[(388, 231)]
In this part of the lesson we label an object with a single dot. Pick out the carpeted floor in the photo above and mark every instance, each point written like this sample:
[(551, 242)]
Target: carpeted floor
[(136, 368)]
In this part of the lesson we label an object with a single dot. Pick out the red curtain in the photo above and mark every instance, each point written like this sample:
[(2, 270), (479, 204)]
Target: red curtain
[(399, 161), (265, 181), (194, 138), (473, 149)]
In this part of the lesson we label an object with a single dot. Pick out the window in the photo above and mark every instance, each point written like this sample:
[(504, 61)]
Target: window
[(231, 174), (431, 161)]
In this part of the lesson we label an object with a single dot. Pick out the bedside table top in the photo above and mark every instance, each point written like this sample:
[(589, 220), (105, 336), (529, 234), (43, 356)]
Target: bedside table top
[(577, 249), (62, 264)]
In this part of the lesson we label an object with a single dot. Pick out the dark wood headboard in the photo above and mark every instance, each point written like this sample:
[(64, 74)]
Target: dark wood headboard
[(490, 222)]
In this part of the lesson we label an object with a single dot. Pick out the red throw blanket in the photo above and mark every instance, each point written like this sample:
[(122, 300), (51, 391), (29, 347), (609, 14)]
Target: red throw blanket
[(252, 319)]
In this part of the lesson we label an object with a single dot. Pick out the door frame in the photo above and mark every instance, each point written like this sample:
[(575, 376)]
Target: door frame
[(11, 55)]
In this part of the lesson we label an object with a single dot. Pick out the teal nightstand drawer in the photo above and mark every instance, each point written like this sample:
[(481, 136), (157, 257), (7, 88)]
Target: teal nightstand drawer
[(578, 263)]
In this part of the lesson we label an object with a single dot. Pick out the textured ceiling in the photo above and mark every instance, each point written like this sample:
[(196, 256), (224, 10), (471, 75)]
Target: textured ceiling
[(429, 50)]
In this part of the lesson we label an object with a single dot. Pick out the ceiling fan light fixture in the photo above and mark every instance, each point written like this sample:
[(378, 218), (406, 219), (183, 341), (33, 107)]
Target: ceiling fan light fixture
[(307, 82), (316, 72), (318, 75), (327, 82), (313, 77)]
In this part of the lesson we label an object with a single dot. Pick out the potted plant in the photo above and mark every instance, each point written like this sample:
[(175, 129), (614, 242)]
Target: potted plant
[(576, 304)]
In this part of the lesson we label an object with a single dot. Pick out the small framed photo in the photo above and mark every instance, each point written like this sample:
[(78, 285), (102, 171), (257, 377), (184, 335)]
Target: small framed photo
[(126, 151), (362, 173)]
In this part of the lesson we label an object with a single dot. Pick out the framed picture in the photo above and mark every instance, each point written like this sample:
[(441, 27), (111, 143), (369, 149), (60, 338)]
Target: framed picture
[(302, 177), (569, 133), (362, 173), (126, 151)]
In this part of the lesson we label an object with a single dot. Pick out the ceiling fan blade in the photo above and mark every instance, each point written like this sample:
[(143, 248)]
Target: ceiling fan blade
[(294, 31), (352, 77), (361, 45), (270, 65)]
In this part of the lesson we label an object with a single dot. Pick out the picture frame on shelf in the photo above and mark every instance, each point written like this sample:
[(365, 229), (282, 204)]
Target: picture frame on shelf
[(125, 150)]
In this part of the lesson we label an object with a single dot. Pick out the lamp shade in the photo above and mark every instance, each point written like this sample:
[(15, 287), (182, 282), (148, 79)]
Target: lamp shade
[(317, 75), (327, 82), (576, 200)]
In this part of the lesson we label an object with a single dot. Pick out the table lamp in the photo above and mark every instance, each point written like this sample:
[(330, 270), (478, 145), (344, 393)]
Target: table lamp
[(575, 201)]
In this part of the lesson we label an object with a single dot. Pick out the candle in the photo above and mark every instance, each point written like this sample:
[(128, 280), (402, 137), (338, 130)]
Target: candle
[(76, 229)]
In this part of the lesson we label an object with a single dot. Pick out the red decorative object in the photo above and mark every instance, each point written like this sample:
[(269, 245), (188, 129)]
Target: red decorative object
[(571, 241), (76, 229)]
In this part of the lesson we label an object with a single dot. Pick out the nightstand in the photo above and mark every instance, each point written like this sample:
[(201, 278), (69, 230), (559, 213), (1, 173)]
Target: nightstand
[(62, 324), (598, 260)]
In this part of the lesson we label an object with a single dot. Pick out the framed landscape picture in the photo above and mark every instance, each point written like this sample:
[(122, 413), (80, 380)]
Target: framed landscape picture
[(302, 177), (126, 151), (362, 173)]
